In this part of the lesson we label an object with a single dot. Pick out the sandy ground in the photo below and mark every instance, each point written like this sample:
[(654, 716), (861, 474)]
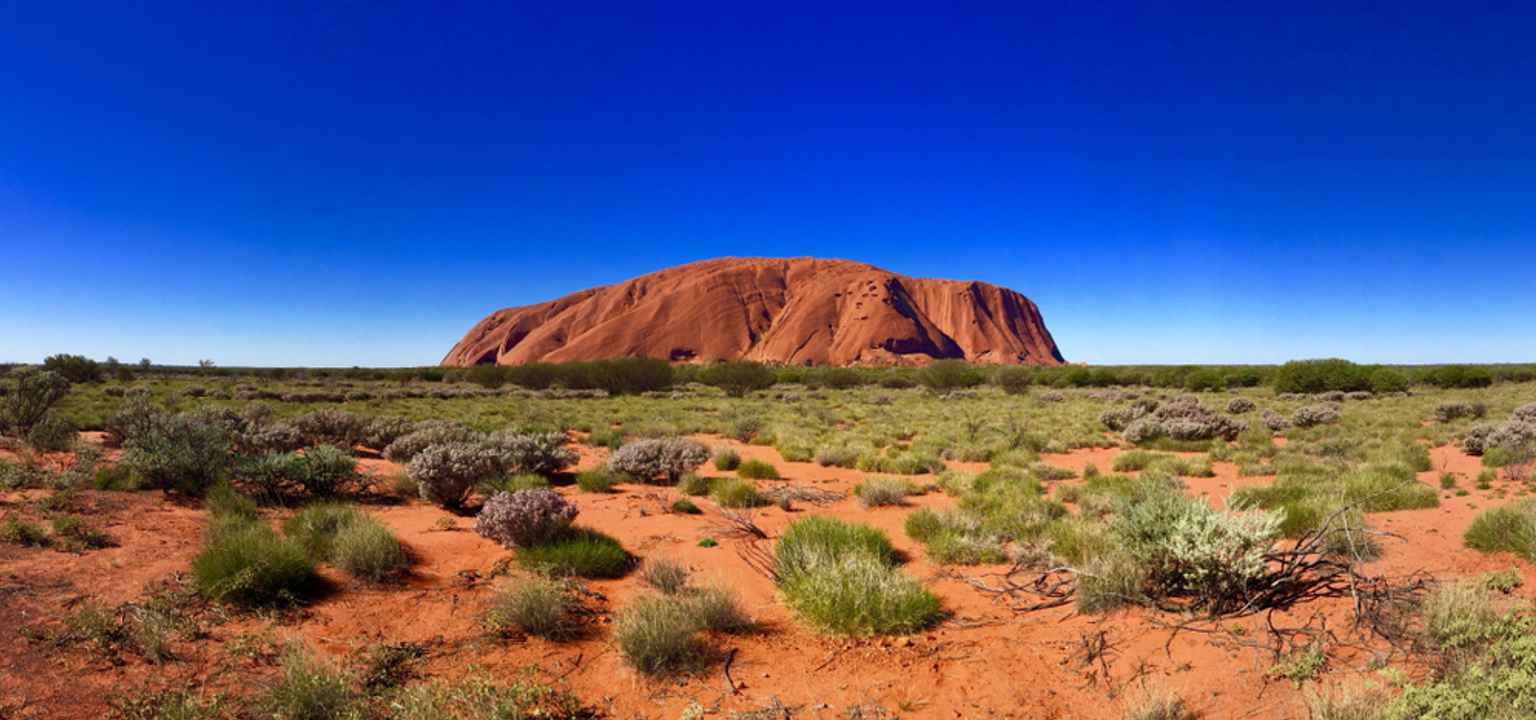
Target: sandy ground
[(985, 660)]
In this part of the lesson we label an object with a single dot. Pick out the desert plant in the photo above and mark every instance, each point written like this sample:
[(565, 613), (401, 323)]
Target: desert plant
[(946, 375), (1511, 528), (668, 576), (330, 427), (579, 551), (179, 452), (31, 393), (243, 561), (524, 518), (1240, 405), (695, 485), (427, 434), (1313, 415), (737, 378), (446, 473), (757, 470), (667, 457), (736, 493), (308, 688), (536, 606), (883, 492), (536, 453), (727, 460), (52, 433), (841, 578), (658, 635), (596, 481), (367, 550)]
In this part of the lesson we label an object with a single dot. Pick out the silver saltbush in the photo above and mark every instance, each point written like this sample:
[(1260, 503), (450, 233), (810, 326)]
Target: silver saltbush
[(1312, 415), (525, 517), (535, 453), (669, 457), (447, 472)]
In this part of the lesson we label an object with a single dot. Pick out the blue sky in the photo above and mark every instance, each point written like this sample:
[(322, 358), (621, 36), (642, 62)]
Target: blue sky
[(275, 184)]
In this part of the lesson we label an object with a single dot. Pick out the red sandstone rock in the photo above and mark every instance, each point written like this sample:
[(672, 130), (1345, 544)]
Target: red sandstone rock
[(792, 311)]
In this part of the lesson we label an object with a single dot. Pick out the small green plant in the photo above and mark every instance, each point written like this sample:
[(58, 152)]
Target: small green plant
[(1504, 581), (243, 561), (596, 481), (727, 460), (691, 484), (737, 493), (668, 576), (708, 543), (685, 506), (841, 578), (579, 551), (658, 635), (21, 532), (716, 608), (1301, 665), (1447, 481), (757, 470), (367, 550), (1511, 528), (537, 606), (309, 689), (74, 533), (389, 665), (883, 492)]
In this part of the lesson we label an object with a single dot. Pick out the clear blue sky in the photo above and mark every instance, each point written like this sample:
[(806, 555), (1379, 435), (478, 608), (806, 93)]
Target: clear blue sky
[(272, 183)]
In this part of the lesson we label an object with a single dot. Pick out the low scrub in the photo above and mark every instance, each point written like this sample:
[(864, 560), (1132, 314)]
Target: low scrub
[(841, 578), (536, 606), (757, 470), (645, 460), (525, 518), (580, 552), (244, 561), (883, 492)]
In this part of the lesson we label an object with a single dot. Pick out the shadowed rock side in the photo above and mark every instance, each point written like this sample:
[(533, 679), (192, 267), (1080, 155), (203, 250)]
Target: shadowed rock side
[(791, 311)]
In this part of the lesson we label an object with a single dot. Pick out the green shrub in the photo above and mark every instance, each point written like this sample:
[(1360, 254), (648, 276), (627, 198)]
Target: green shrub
[(309, 689), (74, 368), (645, 460), (596, 481), (727, 460), (686, 507), (580, 552), (737, 378), (223, 500), (658, 635), (446, 473), (537, 606), (946, 375), (482, 697), (115, 477), (315, 527), (52, 433), (757, 470), (367, 550), (29, 396), (668, 576), (736, 493), (883, 492), (74, 533), (186, 453), (840, 578), (694, 485), (245, 562), (717, 609), (1511, 528), (1109, 580), (20, 532)]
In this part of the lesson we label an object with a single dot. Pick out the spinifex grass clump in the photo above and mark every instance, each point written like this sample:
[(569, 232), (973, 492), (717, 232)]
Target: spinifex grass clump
[(349, 539), (1511, 528), (578, 551), (244, 561), (536, 606), (842, 579)]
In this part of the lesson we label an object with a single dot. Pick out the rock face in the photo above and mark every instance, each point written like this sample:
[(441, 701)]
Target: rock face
[(792, 311)]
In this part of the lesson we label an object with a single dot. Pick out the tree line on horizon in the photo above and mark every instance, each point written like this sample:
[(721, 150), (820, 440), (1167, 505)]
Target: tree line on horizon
[(635, 375)]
